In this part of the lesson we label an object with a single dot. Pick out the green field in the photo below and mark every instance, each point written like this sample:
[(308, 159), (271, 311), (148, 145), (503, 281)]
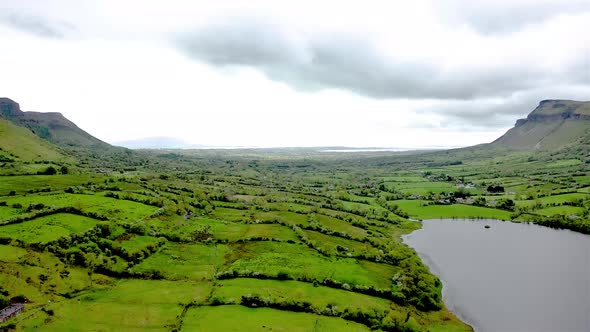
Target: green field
[(122, 210), (563, 210), (47, 229), (417, 209), (238, 318)]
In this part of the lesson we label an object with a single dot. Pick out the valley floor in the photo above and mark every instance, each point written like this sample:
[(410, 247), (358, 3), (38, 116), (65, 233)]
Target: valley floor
[(250, 242)]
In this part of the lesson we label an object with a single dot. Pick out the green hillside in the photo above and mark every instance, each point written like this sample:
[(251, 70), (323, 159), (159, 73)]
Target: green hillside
[(20, 144), (51, 126), (67, 136)]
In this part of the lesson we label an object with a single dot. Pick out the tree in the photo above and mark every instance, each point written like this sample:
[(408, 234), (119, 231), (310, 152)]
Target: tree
[(64, 170), (48, 171), (495, 189), (505, 204), (479, 201)]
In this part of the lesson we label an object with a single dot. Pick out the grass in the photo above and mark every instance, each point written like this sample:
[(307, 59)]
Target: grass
[(403, 179), (319, 297), (299, 261), (25, 144), (138, 243), (583, 179), (563, 163), (228, 214), (152, 292), (340, 226), (285, 216), (554, 199), (239, 318), (110, 316), (416, 209), (48, 228), (10, 254), (184, 261), (24, 183), (236, 231), (130, 305), (120, 210), (7, 212), (331, 242), (41, 276), (562, 210)]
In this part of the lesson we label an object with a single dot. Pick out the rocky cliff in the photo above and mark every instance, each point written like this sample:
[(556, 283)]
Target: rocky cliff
[(553, 124)]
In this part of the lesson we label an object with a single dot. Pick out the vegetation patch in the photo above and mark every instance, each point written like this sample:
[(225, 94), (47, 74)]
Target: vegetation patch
[(46, 229), (240, 318)]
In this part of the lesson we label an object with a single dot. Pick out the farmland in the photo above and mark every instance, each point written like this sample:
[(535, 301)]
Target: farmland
[(234, 240)]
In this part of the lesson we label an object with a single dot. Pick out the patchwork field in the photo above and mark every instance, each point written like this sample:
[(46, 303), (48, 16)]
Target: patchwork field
[(238, 242)]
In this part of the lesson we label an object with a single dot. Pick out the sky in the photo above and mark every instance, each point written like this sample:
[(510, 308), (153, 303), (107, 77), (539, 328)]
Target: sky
[(409, 74)]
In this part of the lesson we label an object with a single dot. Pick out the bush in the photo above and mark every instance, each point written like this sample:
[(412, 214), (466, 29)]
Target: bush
[(505, 204), (283, 276), (48, 171), (18, 299), (4, 302), (495, 189)]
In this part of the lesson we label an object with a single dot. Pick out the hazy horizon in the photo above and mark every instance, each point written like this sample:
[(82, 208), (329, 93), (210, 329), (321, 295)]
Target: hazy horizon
[(176, 143)]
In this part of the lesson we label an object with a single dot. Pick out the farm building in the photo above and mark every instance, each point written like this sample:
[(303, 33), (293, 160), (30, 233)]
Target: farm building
[(11, 311)]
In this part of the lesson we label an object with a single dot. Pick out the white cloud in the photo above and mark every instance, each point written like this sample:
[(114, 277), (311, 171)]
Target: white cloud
[(294, 73)]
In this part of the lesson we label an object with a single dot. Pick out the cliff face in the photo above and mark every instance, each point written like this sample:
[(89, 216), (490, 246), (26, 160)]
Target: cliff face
[(553, 124), (9, 108), (557, 110)]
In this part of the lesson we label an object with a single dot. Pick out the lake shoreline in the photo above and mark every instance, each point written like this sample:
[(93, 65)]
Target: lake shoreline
[(491, 276)]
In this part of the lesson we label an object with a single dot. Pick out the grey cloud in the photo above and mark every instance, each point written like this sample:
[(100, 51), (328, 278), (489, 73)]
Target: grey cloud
[(342, 61), (482, 114), (248, 41), (506, 16), (493, 113), (36, 25)]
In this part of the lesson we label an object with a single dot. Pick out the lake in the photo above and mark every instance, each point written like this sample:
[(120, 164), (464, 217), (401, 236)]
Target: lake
[(511, 276)]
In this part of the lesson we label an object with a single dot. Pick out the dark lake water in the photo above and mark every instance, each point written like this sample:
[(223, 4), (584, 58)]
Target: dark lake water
[(510, 277)]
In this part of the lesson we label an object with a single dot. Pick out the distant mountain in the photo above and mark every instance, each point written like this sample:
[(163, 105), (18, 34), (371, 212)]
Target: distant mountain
[(553, 124), (53, 126), (158, 143)]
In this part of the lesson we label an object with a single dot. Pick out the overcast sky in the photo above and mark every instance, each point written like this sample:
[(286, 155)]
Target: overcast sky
[(295, 73)]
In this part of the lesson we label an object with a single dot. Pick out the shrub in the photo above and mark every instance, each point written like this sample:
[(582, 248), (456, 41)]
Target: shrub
[(18, 299), (4, 302), (283, 276), (48, 171)]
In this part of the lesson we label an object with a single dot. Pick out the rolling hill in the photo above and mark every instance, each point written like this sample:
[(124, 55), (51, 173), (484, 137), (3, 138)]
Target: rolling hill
[(41, 136), (51, 126), (552, 125)]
